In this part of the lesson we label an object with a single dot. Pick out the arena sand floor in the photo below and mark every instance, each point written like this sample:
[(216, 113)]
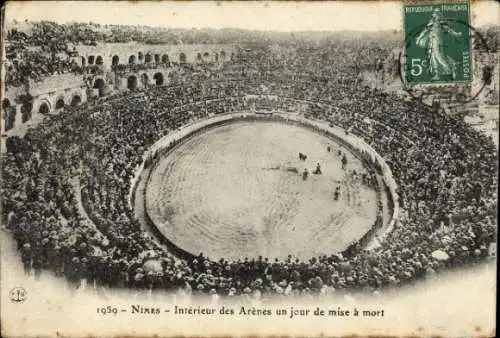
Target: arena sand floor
[(237, 191)]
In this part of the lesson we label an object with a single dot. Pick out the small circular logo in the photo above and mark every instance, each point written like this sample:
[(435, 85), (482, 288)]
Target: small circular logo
[(18, 295)]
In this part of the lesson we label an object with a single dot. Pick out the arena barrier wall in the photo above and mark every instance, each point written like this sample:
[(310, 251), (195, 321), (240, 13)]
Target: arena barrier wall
[(357, 146)]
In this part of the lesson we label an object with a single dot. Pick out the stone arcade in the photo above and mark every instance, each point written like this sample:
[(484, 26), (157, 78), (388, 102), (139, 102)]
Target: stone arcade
[(107, 68)]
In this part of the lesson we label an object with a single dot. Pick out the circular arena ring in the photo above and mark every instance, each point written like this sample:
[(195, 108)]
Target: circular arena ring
[(248, 185)]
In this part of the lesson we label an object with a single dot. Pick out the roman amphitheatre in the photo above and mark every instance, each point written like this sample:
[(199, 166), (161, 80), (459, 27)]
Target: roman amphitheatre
[(237, 168), (237, 190)]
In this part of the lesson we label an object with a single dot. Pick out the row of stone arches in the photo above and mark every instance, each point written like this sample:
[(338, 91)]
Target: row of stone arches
[(200, 57), (9, 113), (133, 81), (45, 107), (93, 60), (148, 58), (206, 56), (164, 58), (157, 58)]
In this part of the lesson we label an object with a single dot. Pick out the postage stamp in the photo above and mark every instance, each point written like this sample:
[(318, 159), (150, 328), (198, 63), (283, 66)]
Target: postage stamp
[(438, 43)]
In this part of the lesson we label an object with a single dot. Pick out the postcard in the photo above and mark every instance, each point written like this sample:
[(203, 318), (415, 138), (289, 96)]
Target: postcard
[(238, 169)]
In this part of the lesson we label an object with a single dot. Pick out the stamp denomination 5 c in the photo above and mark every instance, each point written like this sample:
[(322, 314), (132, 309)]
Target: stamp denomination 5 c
[(438, 44)]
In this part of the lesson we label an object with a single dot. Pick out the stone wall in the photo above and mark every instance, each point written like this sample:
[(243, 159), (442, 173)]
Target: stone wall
[(12, 93), (57, 100), (55, 83), (123, 53)]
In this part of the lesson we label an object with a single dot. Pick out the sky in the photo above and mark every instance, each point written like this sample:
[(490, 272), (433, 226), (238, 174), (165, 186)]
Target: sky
[(278, 16)]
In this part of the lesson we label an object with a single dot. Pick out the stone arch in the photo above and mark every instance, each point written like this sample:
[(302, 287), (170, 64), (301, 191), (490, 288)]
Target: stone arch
[(8, 114), (157, 58), (206, 56), (44, 108), (83, 61), (159, 79), (99, 61), (199, 57), (144, 79), (115, 60), (91, 59), (164, 59), (148, 58), (140, 56), (131, 59), (59, 103), (182, 58), (6, 104), (222, 55), (99, 84), (26, 111), (132, 82), (76, 99)]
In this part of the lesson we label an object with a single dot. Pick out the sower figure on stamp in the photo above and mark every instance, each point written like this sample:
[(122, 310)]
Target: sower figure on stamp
[(440, 64)]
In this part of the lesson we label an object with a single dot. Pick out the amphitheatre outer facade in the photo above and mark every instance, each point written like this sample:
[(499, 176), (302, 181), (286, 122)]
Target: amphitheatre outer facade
[(107, 68)]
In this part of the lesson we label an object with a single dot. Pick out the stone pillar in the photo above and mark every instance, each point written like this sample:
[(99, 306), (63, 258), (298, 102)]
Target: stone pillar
[(19, 116), (2, 123), (121, 83)]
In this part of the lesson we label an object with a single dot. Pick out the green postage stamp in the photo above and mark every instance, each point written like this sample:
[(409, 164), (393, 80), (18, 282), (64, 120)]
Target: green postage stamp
[(438, 43)]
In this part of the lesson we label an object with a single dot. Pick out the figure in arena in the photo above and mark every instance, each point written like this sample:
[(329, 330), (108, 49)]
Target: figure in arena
[(318, 169), (336, 193), (305, 174), (344, 162)]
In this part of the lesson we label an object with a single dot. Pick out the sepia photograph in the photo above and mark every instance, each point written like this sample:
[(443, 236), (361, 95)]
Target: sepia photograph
[(174, 168)]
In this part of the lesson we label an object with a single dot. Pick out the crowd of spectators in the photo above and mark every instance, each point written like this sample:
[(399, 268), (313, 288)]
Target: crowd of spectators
[(40, 51), (446, 174), (37, 65)]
